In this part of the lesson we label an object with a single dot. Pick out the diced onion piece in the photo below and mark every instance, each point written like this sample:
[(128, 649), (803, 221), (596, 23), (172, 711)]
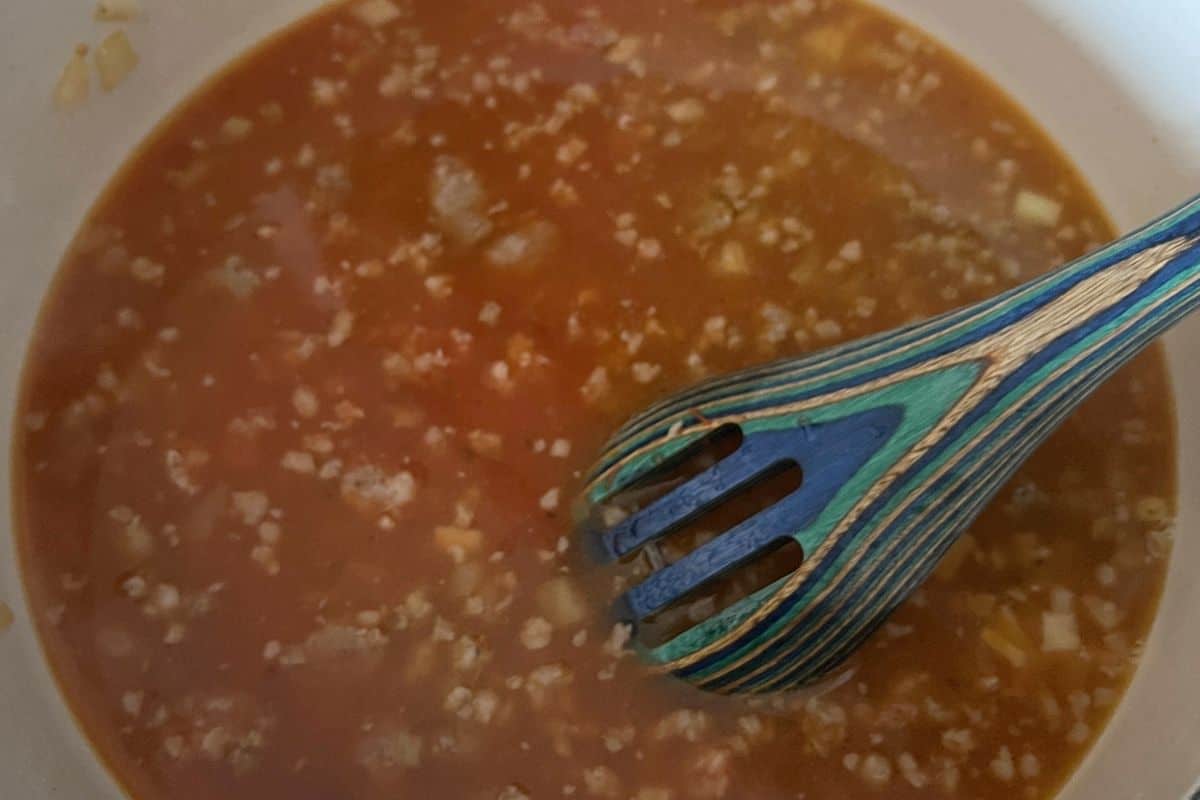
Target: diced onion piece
[(1060, 632), (456, 541), (732, 260), (1007, 638), (236, 128), (827, 43), (466, 577), (459, 201), (1007, 624), (1005, 648), (1155, 510), (1037, 208), (115, 59), (1104, 612), (525, 247), (118, 10), (686, 111), (562, 602), (485, 443), (376, 13), (74, 84)]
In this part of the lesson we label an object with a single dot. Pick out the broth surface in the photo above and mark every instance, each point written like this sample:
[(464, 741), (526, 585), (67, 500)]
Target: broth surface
[(306, 410)]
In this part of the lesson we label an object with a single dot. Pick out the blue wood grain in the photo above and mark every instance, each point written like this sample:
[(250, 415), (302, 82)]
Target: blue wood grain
[(842, 446)]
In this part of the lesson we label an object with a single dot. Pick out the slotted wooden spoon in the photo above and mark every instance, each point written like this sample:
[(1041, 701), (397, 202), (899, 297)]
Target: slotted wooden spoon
[(902, 437)]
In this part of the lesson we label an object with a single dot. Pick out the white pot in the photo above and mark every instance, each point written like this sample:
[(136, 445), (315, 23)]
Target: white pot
[(1114, 81)]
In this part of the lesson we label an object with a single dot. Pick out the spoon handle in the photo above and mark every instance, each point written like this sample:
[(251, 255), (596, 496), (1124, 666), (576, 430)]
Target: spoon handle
[(1092, 315), (1039, 350), (979, 389)]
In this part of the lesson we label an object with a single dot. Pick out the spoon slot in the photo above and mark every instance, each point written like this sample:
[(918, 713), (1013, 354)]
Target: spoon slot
[(778, 560)]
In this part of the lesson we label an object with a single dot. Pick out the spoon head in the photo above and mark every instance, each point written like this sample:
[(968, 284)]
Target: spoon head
[(866, 544)]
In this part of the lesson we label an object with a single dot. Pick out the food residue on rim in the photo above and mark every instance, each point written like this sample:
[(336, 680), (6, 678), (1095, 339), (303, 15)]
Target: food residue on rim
[(114, 58)]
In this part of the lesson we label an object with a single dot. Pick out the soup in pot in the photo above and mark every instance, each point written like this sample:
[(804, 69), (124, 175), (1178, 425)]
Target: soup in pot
[(306, 410)]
